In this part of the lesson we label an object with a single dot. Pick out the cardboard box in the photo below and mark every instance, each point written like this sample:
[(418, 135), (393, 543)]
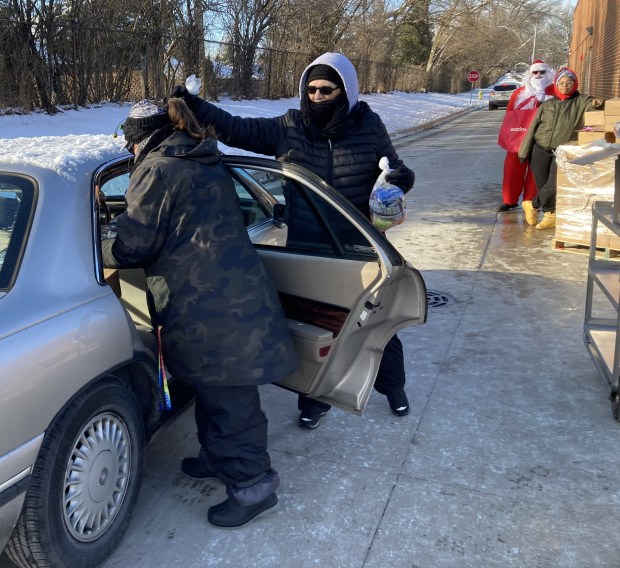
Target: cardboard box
[(594, 118), (597, 134), (587, 136), (578, 188), (610, 122), (612, 106)]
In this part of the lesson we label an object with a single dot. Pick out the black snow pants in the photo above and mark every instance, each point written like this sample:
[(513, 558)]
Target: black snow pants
[(232, 431), (544, 170)]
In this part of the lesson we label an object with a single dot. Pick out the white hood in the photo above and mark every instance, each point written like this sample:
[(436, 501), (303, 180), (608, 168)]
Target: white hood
[(343, 67)]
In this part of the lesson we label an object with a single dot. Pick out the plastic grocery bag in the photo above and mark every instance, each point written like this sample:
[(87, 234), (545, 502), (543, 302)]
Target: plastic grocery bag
[(387, 202)]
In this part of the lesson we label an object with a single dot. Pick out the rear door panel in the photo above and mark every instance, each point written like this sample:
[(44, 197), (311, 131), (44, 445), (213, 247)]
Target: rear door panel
[(344, 288)]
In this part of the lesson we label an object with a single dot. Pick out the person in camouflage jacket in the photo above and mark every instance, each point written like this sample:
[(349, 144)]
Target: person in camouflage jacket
[(341, 139), (222, 326)]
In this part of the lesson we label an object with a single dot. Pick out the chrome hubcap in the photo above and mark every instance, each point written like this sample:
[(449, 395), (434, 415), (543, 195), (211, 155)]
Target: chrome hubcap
[(97, 477)]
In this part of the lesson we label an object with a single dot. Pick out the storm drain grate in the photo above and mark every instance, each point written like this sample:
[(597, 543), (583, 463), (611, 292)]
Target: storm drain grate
[(438, 299)]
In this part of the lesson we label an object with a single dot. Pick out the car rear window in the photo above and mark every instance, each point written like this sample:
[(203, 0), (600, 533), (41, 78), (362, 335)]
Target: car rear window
[(504, 88), (16, 205)]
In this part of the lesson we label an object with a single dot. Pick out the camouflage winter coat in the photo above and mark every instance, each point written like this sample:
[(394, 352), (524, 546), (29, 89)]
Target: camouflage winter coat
[(221, 317)]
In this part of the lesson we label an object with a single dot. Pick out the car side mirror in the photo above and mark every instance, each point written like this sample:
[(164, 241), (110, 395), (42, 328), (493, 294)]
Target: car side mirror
[(278, 215)]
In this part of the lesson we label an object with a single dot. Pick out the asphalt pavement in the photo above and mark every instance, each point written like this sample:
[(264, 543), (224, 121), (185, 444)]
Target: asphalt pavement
[(508, 457)]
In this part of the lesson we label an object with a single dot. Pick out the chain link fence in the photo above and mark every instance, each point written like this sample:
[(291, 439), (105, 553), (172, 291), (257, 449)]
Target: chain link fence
[(76, 64)]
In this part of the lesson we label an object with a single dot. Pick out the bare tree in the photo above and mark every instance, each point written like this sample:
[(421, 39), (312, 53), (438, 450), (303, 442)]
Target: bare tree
[(59, 52), (489, 34), (247, 23)]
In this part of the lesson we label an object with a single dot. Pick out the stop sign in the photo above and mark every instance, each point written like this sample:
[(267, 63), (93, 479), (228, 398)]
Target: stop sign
[(473, 76)]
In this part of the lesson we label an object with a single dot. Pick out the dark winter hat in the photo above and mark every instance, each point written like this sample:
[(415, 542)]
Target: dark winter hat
[(144, 118), (325, 72)]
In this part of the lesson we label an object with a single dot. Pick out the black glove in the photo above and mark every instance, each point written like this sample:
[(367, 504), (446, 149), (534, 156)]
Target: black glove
[(401, 176), (192, 101)]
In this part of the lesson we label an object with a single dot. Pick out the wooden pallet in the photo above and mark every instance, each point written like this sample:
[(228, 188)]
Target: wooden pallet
[(580, 248)]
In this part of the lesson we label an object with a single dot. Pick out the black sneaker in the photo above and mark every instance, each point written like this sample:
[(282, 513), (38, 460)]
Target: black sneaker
[(198, 467), (310, 420), (399, 403), (506, 207), (230, 514)]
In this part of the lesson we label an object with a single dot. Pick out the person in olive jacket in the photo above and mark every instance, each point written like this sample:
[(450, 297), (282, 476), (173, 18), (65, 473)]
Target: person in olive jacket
[(555, 123), (339, 138), (223, 330)]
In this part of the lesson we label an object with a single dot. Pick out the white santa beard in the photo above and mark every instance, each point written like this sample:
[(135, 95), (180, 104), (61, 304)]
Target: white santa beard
[(539, 84), (529, 97)]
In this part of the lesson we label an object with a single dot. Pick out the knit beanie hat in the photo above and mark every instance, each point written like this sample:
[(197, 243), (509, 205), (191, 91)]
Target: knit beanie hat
[(565, 72), (144, 118), (325, 72)]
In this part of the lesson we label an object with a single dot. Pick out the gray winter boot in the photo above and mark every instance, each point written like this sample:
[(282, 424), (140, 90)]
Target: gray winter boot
[(246, 501)]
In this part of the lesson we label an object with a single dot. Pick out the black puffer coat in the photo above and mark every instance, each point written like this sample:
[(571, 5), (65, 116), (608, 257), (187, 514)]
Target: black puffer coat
[(348, 161), (222, 321)]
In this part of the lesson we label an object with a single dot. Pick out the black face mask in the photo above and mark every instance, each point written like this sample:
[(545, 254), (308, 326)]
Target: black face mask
[(323, 112)]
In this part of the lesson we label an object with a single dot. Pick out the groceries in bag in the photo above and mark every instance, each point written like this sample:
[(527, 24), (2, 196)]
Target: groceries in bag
[(387, 202)]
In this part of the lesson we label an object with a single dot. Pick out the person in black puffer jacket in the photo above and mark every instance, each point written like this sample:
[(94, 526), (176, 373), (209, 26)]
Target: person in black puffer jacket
[(339, 138)]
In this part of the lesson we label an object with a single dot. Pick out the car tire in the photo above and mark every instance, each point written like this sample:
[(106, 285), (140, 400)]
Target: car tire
[(84, 483), (491, 107)]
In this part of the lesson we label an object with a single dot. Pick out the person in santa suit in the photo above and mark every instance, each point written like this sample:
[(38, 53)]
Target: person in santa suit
[(518, 178)]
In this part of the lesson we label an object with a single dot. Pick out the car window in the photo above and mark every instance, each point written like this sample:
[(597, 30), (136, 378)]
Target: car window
[(253, 211), (116, 187), (16, 204), (278, 212), (298, 220)]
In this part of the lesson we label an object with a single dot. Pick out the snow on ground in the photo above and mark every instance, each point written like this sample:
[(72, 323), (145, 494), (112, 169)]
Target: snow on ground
[(398, 110)]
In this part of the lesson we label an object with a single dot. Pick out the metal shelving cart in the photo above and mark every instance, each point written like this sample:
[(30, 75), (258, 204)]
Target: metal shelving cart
[(602, 332)]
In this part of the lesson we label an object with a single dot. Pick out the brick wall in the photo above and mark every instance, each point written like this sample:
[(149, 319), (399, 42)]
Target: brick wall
[(595, 47)]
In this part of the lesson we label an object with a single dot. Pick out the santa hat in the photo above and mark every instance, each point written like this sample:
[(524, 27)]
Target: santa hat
[(539, 65)]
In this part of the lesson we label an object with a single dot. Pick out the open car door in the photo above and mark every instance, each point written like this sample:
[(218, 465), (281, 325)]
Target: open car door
[(344, 288)]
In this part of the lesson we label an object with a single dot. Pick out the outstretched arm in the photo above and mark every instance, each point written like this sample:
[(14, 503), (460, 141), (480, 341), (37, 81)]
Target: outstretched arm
[(260, 135)]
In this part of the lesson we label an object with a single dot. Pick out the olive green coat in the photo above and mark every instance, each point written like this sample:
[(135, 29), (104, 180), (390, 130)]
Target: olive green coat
[(555, 123)]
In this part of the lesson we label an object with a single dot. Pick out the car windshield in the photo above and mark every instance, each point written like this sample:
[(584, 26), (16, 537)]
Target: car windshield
[(504, 88)]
